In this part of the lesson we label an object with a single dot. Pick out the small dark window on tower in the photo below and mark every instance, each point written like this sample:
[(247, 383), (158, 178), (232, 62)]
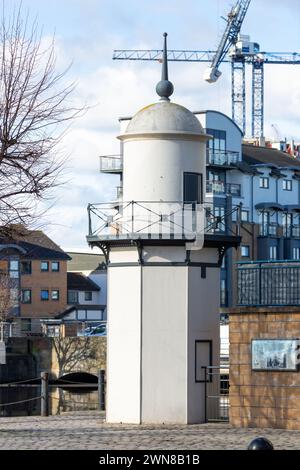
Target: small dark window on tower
[(192, 187)]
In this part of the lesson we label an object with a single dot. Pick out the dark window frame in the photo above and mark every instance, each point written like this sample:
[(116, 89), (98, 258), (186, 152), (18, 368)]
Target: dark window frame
[(200, 187), (287, 185), (75, 293), (262, 180), (45, 270), (22, 296), (24, 272), (41, 298), (55, 290), (244, 211), (58, 266), (275, 248), (247, 247), (90, 295)]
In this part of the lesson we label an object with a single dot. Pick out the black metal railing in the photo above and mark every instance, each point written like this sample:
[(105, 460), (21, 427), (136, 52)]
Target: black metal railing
[(222, 157), (170, 220), (268, 283)]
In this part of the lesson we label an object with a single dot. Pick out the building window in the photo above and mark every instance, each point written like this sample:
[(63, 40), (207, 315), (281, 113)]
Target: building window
[(44, 266), (25, 267), (245, 216), (55, 294), (273, 252), (287, 224), (192, 187), (26, 296), (44, 294), (88, 295), (266, 227), (296, 253), (287, 185), (245, 251), (53, 331), (55, 266), (218, 143), (14, 268), (264, 182), (72, 297), (26, 324)]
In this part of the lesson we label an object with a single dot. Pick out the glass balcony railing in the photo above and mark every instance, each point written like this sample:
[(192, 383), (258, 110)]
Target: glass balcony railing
[(219, 187), (222, 157), (296, 231), (111, 164), (119, 192), (269, 229)]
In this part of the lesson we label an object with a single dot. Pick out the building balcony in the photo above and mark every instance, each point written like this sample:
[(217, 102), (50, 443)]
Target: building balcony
[(272, 283), (219, 187), (222, 158), (269, 229), (111, 164), (151, 220)]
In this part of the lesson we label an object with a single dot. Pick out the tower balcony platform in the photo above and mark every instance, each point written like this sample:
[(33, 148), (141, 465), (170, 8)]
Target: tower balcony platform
[(161, 223)]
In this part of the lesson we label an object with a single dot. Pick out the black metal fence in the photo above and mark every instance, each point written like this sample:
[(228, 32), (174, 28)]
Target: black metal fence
[(268, 283)]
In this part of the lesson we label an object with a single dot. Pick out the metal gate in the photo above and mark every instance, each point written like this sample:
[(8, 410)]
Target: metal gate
[(216, 394)]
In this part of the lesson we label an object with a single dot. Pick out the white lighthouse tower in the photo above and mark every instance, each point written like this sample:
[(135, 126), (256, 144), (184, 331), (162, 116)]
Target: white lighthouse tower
[(164, 262)]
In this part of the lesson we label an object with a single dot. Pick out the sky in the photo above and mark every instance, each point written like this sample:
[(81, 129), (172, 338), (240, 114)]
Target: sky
[(87, 32)]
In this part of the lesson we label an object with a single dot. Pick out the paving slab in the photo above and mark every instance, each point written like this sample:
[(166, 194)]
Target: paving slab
[(88, 430)]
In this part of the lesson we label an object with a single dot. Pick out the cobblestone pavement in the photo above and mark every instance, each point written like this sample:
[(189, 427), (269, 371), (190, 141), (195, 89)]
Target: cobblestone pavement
[(87, 430)]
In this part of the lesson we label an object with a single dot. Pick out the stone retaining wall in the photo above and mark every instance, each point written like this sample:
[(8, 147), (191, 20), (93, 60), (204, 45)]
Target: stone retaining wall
[(262, 398)]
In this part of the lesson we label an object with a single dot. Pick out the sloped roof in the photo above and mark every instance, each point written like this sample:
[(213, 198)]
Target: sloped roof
[(259, 155), (86, 262), (35, 242), (77, 281)]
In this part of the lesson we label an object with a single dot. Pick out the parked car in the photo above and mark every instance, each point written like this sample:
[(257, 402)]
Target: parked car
[(94, 330)]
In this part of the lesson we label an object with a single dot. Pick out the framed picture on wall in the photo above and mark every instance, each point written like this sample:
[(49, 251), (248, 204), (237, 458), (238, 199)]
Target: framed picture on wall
[(275, 354)]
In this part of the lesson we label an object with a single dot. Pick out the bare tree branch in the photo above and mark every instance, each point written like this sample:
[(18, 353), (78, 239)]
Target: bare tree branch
[(34, 111)]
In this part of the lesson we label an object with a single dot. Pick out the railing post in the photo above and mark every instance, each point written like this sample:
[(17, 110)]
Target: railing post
[(90, 220), (44, 393), (239, 219), (259, 284), (132, 216), (205, 393), (101, 390)]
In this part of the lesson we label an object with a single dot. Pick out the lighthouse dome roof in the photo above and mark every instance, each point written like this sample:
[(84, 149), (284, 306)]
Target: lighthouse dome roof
[(164, 117)]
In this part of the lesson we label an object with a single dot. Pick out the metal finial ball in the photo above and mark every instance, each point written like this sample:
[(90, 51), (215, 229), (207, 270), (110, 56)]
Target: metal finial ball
[(165, 35), (164, 88), (260, 443)]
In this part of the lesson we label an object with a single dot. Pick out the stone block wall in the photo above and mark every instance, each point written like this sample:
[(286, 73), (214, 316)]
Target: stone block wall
[(262, 398)]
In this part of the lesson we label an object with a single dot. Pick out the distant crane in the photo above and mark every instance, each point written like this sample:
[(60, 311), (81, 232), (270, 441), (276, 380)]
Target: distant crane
[(236, 49)]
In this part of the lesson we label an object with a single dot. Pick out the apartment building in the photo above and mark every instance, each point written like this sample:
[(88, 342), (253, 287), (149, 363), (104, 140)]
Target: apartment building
[(37, 268)]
